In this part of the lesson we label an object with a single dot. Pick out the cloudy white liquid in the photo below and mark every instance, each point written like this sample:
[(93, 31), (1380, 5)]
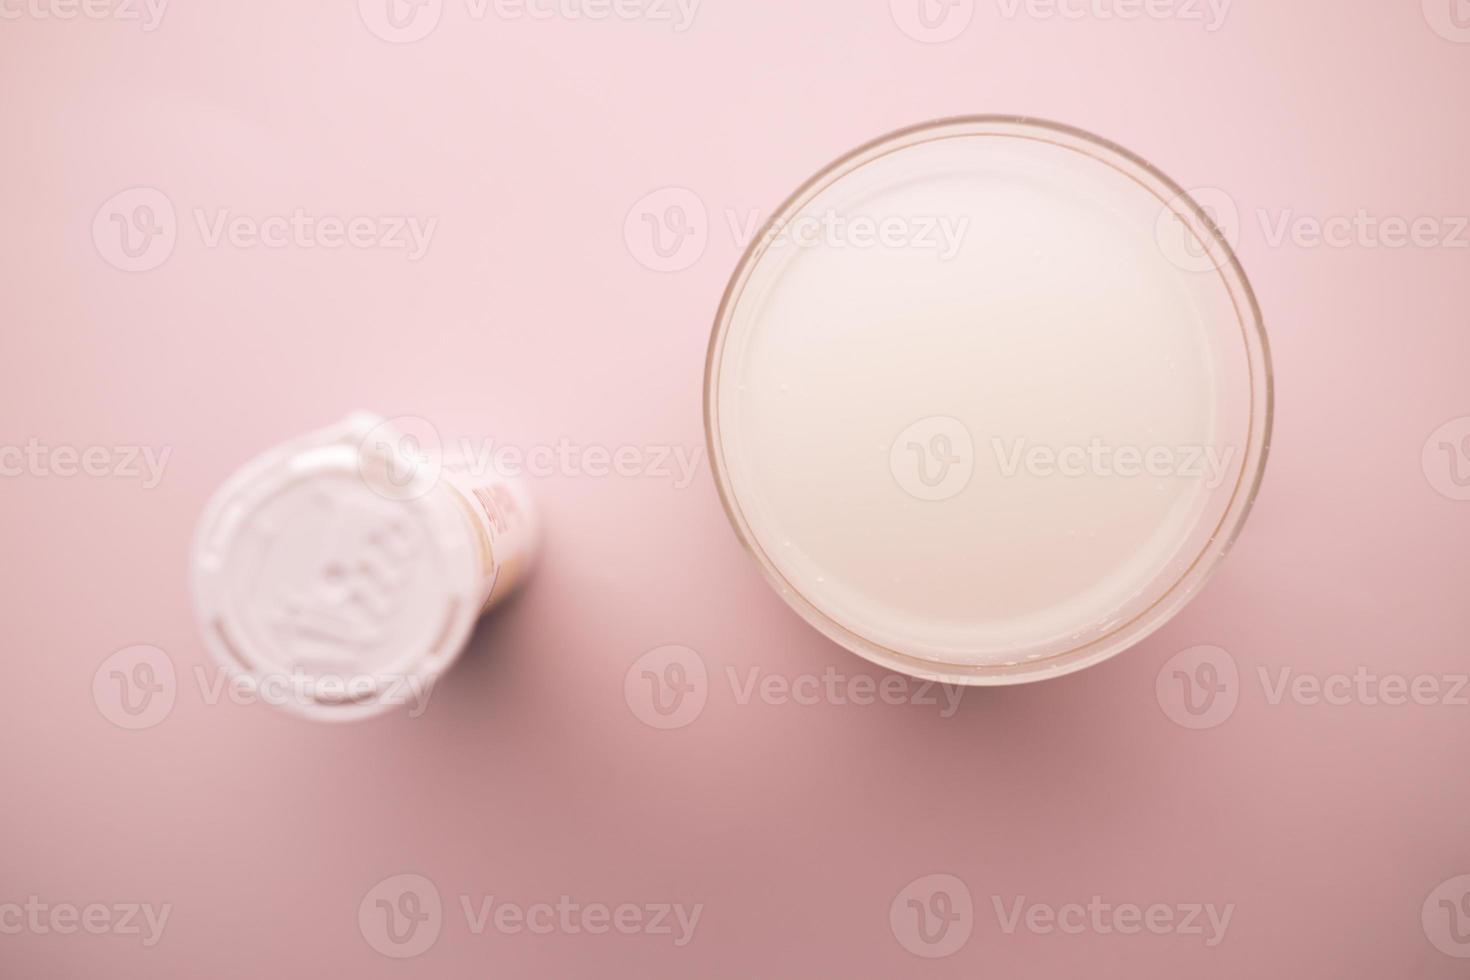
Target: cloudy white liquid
[(884, 409)]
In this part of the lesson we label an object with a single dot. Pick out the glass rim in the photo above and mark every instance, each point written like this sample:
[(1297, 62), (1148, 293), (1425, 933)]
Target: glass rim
[(1258, 430)]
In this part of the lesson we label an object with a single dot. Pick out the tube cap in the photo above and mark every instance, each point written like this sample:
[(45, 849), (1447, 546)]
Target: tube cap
[(336, 573)]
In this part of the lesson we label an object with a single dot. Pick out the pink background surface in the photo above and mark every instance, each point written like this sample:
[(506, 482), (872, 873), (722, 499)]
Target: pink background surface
[(531, 320)]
